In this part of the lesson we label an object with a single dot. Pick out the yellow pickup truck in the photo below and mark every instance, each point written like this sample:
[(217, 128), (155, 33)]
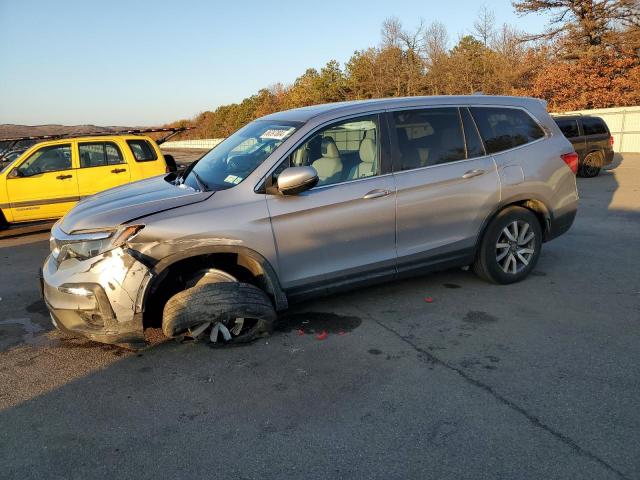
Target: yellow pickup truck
[(50, 177)]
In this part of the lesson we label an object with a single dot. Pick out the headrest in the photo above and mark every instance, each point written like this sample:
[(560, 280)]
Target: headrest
[(329, 148), (367, 150)]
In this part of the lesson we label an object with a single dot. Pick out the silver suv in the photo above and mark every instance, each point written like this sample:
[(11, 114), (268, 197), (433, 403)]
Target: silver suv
[(312, 200)]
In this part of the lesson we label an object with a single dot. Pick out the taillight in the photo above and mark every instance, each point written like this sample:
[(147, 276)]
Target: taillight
[(571, 159), (611, 140)]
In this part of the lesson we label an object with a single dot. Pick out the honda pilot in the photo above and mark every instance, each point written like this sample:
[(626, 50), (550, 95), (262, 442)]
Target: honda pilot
[(309, 201)]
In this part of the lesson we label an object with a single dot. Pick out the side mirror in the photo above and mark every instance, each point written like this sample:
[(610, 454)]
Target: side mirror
[(294, 180)]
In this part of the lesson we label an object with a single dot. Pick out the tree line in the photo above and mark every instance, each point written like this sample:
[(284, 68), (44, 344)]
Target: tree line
[(587, 57)]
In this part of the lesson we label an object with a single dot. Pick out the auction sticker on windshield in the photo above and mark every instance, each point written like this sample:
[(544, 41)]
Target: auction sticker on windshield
[(276, 133)]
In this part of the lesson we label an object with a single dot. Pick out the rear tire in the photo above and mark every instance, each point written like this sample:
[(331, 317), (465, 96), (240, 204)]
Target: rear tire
[(222, 302), (510, 247), (591, 165)]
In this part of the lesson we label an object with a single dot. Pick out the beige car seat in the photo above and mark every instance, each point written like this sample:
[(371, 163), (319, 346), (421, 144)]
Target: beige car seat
[(368, 155), (329, 165)]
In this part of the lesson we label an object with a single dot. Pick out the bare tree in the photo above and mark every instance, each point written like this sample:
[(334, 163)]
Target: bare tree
[(391, 31), (484, 26), (590, 20)]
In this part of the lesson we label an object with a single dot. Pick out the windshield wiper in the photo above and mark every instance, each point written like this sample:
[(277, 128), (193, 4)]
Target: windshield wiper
[(203, 186)]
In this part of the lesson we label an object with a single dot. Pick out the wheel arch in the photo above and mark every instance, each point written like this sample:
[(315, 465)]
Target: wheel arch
[(244, 263), (535, 205)]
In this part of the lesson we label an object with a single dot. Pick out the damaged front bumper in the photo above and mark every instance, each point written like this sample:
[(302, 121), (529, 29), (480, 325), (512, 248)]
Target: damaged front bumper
[(99, 298)]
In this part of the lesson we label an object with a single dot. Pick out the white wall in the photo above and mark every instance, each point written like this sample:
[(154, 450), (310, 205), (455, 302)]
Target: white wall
[(624, 123)]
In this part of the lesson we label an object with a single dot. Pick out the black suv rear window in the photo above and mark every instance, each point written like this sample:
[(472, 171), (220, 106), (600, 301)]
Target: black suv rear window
[(142, 151), (505, 128), (593, 126), (568, 127)]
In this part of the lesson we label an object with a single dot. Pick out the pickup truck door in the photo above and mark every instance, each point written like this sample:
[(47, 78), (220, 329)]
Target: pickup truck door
[(102, 166), (44, 185)]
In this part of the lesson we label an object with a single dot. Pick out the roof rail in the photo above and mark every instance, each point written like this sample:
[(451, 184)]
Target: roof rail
[(136, 131)]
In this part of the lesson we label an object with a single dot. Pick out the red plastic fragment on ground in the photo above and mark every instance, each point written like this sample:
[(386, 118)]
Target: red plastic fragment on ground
[(300, 332), (428, 300), (322, 335), (341, 332)]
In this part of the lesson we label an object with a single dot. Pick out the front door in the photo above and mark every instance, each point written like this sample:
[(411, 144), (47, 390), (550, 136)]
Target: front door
[(102, 166), (344, 228), (44, 185), (446, 186)]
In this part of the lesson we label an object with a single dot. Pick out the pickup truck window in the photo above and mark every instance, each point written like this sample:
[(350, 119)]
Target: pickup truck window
[(99, 154), (142, 151)]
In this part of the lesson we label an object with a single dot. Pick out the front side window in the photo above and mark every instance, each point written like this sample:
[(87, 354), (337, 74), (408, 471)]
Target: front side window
[(428, 137), (142, 151), (237, 156), (99, 154), (593, 126), (46, 159), (344, 151), (505, 128), (568, 127)]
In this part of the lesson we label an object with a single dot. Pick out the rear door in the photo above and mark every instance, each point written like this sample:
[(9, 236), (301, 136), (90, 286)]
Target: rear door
[(102, 166), (570, 129), (446, 185), (44, 185), (344, 228)]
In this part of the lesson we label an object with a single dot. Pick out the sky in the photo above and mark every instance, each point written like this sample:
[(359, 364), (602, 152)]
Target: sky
[(142, 62)]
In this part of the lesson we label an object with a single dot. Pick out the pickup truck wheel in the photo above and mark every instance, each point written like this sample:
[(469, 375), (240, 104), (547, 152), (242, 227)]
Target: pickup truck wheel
[(236, 312), (591, 165), (510, 247)]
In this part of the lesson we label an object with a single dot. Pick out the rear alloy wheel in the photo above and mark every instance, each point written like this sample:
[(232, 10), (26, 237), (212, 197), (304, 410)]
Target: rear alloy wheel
[(510, 247), (590, 165)]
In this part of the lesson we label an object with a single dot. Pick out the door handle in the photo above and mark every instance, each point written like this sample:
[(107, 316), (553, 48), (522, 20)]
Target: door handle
[(473, 173), (62, 177), (377, 193), (118, 170)]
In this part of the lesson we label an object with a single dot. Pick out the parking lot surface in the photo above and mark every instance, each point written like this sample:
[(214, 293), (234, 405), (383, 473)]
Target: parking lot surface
[(537, 380)]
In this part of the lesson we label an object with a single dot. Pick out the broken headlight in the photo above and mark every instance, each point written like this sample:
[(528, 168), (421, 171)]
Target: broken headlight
[(85, 245)]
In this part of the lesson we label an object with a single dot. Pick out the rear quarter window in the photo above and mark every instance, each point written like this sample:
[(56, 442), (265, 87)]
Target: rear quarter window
[(142, 150), (505, 128), (594, 126)]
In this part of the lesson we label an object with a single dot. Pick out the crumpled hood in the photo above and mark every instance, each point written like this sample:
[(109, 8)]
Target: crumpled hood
[(127, 202)]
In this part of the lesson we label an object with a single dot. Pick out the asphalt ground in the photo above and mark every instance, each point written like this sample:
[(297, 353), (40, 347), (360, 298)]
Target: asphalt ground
[(537, 380)]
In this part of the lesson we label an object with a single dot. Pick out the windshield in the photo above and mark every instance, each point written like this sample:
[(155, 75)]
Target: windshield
[(240, 154)]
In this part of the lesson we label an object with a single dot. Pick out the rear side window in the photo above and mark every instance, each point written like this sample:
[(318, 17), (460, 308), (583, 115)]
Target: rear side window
[(568, 127), (428, 137), (142, 151), (594, 126), (99, 154), (505, 128)]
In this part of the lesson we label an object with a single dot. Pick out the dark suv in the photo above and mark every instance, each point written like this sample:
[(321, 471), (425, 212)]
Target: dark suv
[(591, 139)]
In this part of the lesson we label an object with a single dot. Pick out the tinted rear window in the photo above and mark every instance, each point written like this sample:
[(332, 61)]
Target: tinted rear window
[(569, 127), (593, 126), (429, 137), (142, 151), (505, 128)]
